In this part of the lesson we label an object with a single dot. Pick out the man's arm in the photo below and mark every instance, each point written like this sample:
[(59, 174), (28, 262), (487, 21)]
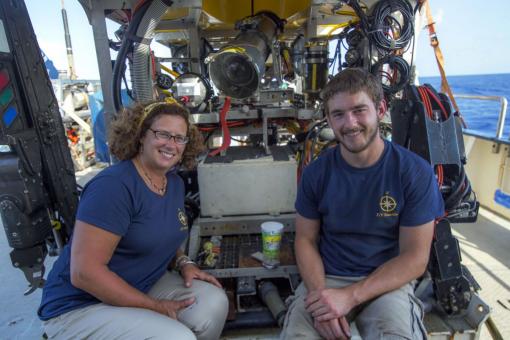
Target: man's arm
[(408, 265), (308, 258)]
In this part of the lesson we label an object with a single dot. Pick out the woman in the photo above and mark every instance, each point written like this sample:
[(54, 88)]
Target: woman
[(111, 280)]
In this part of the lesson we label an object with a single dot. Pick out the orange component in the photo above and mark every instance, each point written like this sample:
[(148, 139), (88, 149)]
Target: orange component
[(434, 42), (72, 135)]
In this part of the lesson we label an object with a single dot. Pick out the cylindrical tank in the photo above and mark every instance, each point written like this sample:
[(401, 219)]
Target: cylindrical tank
[(315, 67)]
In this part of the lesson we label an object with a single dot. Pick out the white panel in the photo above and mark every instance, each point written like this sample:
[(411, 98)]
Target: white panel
[(255, 186)]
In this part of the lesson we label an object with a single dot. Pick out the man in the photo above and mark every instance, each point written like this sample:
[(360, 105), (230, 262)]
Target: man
[(364, 225)]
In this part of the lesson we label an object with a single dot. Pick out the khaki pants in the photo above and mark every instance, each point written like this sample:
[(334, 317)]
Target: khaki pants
[(394, 315), (204, 319)]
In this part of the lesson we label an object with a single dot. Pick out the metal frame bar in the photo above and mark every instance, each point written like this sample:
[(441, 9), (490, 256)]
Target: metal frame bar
[(214, 117), (502, 112), (95, 10)]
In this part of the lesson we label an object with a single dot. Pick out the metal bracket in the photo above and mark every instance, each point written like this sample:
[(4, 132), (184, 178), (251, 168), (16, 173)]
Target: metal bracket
[(246, 289), (264, 134), (477, 312), (31, 262), (35, 277), (453, 290)]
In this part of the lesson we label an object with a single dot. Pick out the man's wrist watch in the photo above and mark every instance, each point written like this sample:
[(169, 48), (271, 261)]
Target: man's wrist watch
[(183, 260)]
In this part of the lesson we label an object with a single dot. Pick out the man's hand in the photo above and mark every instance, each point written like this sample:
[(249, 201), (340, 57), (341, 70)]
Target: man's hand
[(190, 271), (171, 307), (333, 329), (329, 304)]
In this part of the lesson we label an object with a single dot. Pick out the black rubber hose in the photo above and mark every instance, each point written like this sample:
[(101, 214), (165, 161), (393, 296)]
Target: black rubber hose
[(120, 61), (359, 12), (255, 319), (456, 195)]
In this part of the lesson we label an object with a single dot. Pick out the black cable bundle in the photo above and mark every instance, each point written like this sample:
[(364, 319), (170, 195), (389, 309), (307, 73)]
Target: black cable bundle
[(354, 4), (120, 63), (396, 80), (383, 19), (461, 190), (311, 134)]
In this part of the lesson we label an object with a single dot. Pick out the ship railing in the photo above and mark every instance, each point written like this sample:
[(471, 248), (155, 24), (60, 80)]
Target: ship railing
[(498, 137)]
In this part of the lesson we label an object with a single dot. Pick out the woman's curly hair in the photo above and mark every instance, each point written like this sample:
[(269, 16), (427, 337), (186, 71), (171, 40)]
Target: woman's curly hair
[(132, 123)]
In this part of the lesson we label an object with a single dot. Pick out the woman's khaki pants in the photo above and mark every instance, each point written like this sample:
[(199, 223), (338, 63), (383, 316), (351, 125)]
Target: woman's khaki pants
[(204, 319)]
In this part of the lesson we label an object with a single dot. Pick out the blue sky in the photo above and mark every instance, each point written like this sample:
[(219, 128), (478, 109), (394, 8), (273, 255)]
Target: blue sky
[(474, 37)]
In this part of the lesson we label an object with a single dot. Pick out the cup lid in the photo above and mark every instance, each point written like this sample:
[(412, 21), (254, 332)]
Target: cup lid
[(272, 226)]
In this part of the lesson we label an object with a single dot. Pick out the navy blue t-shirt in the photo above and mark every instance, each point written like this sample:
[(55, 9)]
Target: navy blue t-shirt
[(361, 209), (151, 227)]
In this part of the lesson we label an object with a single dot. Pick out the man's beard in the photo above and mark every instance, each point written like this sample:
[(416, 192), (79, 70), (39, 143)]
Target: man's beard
[(363, 147)]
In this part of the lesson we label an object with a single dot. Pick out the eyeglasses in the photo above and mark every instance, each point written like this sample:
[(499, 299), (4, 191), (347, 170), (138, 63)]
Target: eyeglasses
[(163, 135)]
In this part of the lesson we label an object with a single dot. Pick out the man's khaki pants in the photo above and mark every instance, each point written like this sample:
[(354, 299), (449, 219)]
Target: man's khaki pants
[(204, 319), (395, 315)]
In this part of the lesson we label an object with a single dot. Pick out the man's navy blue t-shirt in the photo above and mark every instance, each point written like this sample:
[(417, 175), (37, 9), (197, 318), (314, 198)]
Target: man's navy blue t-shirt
[(361, 209), (151, 227)]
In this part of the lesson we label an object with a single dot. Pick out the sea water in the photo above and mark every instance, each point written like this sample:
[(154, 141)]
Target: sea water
[(480, 116)]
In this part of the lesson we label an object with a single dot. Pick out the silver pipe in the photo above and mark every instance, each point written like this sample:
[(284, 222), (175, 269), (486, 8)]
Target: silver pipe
[(271, 297)]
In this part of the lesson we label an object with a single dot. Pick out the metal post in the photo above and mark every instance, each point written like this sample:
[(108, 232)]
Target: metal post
[(194, 41), (502, 117), (97, 20)]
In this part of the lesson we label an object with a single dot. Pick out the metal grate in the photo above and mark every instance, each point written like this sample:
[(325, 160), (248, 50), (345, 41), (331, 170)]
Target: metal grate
[(235, 251)]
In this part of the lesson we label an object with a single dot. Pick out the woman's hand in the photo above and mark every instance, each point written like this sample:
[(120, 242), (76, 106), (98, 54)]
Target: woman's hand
[(190, 271), (171, 307)]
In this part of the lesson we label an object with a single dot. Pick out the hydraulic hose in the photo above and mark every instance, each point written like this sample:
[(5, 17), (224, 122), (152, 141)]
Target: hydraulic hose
[(141, 28), (120, 61), (142, 76)]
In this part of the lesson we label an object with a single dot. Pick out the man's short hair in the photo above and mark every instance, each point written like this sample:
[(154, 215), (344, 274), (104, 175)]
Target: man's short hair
[(353, 80)]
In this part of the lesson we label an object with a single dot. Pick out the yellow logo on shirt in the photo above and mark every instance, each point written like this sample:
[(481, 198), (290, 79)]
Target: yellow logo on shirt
[(387, 206), (183, 219)]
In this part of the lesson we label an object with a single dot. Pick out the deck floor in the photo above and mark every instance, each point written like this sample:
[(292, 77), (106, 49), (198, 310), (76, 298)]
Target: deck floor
[(485, 251)]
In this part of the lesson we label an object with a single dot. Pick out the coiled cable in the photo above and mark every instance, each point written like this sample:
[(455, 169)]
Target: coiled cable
[(393, 71), (387, 31)]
